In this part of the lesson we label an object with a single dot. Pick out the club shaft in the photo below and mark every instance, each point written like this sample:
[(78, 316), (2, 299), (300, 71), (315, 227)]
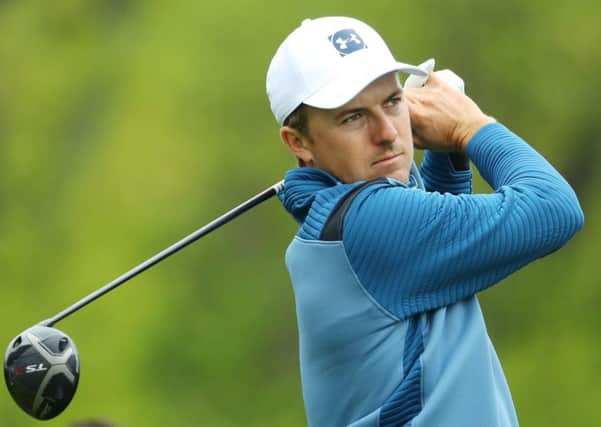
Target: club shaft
[(203, 231)]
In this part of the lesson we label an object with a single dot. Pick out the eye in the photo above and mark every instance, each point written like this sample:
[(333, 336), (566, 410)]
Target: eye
[(393, 101), (351, 118)]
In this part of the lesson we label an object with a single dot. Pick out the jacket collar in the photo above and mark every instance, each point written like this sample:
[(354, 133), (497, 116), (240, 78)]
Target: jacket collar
[(303, 184)]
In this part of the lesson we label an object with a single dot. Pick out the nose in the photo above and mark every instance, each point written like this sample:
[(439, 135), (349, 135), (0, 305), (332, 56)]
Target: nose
[(382, 129)]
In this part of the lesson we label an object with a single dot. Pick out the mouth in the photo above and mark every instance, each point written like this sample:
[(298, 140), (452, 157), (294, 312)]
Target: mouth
[(386, 160)]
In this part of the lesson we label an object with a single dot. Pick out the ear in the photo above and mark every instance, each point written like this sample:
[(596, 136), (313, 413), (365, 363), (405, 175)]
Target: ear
[(298, 144)]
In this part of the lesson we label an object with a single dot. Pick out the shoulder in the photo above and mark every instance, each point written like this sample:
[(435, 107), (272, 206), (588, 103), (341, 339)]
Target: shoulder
[(384, 210), (332, 205), (323, 204)]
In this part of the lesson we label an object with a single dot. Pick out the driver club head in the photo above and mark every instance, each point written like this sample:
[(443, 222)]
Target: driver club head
[(41, 369)]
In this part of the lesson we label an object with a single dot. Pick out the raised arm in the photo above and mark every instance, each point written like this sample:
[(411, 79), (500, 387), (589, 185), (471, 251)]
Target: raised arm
[(427, 250)]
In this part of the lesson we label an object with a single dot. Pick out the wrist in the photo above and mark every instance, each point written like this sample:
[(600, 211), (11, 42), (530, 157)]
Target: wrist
[(471, 129)]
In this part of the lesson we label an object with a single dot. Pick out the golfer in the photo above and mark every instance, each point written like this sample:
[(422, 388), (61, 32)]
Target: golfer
[(389, 257)]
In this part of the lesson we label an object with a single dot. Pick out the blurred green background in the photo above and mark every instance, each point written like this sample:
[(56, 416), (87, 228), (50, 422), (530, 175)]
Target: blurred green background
[(125, 125)]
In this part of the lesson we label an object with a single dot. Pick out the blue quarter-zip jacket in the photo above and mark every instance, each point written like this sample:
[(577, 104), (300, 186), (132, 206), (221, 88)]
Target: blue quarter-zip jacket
[(390, 329)]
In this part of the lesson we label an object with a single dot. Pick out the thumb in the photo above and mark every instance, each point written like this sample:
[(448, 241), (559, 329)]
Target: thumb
[(434, 80)]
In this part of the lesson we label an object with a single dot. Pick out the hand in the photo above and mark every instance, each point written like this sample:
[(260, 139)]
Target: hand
[(442, 118)]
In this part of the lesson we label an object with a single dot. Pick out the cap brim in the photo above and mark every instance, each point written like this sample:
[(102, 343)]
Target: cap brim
[(346, 86)]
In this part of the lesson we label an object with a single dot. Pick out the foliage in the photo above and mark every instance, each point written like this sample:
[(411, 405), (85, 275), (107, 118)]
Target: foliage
[(125, 125)]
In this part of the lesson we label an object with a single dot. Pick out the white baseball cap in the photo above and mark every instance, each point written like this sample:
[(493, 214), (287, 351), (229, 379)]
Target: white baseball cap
[(326, 62)]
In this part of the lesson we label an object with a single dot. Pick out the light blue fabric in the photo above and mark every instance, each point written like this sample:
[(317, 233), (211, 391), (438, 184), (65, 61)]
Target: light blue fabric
[(463, 381), (401, 285), (351, 349)]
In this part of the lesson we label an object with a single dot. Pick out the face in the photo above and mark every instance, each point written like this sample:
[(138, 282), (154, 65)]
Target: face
[(368, 137)]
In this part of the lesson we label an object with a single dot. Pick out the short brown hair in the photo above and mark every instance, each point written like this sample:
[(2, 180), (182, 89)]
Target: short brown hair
[(298, 120)]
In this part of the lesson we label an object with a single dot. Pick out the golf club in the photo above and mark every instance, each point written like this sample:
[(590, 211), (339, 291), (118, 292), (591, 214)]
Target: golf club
[(41, 365)]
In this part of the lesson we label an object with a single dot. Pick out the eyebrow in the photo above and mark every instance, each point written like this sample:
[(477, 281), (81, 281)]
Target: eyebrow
[(396, 93), (340, 114)]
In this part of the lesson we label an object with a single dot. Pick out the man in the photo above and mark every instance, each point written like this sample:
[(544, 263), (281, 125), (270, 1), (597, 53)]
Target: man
[(388, 258)]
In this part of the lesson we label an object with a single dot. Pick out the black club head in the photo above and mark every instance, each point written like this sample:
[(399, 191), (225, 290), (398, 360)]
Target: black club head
[(41, 369)]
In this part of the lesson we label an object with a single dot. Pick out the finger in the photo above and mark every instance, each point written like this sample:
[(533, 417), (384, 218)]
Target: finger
[(433, 80), (415, 113), (420, 101), (410, 95), (414, 96), (417, 119)]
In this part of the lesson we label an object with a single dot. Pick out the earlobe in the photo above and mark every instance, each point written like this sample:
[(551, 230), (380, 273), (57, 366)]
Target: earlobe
[(298, 144)]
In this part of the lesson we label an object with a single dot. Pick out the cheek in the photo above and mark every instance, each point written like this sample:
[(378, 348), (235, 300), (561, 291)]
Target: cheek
[(347, 161)]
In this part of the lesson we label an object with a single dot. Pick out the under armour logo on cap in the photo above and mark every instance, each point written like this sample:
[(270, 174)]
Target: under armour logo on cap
[(347, 41)]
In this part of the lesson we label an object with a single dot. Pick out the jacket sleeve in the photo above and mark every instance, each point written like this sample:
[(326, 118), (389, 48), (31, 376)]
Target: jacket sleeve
[(415, 251), (439, 174)]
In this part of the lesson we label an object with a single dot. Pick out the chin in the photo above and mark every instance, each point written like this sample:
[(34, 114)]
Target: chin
[(399, 175), (397, 170)]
